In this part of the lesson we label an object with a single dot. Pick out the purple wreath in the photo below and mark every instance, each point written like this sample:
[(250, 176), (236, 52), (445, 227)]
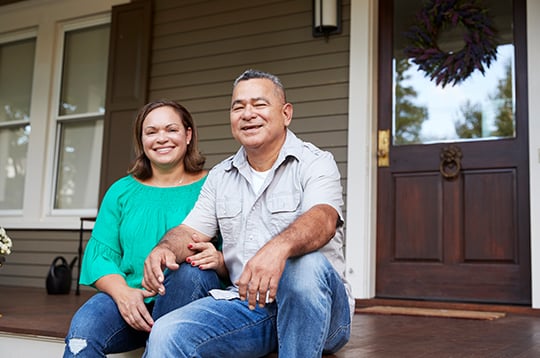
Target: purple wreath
[(452, 67)]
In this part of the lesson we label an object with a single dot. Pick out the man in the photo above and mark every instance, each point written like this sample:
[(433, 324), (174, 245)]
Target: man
[(277, 205)]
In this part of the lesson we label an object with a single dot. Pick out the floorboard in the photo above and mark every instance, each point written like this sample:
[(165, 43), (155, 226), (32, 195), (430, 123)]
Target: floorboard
[(31, 311)]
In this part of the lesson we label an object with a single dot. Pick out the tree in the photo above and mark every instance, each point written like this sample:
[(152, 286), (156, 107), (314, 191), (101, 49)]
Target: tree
[(469, 125), (409, 117), (504, 102)]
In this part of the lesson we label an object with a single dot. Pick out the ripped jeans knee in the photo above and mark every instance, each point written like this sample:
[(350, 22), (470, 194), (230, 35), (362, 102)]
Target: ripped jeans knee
[(98, 329), (75, 345)]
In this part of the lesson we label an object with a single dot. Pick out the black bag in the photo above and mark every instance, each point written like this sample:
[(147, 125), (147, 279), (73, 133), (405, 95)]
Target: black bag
[(59, 277)]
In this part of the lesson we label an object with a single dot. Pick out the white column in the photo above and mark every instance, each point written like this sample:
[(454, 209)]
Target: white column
[(361, 167)]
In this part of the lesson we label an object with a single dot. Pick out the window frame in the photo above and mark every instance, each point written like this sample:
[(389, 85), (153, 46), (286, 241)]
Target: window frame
[(46, 18), (6, 38), (58, 119)]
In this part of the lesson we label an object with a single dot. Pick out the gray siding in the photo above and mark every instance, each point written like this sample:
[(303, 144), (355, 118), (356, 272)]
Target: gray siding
[(199, 47), (33, 253)]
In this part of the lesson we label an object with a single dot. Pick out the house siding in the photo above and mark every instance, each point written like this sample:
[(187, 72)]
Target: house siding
[(33, 253), (198, 49)]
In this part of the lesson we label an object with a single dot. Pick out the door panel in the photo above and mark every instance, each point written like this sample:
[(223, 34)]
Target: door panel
[(453, 229), (411, 219), (490, 228)]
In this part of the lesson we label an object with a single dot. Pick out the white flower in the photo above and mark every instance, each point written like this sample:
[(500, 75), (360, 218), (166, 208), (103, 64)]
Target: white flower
[(5, 242)]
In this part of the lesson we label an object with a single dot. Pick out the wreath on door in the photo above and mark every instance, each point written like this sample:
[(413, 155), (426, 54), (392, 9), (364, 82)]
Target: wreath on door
[(449, 67)]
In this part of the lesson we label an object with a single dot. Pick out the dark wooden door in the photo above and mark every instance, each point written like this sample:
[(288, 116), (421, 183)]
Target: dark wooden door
[(453, 212)]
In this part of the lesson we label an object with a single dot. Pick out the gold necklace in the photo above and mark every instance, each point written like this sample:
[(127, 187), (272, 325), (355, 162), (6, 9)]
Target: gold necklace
[(181, 180)]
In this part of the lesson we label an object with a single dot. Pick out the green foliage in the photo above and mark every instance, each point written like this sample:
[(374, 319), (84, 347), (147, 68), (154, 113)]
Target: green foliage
[(470, 123), (503, 101), (409, 116)]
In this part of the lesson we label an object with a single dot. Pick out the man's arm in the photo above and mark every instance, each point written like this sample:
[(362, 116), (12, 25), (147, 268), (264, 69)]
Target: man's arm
[(172, 250), (311, 231)]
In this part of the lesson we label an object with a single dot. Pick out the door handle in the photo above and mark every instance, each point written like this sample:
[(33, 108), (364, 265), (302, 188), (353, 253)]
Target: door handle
[(383, 148), (450, 162)]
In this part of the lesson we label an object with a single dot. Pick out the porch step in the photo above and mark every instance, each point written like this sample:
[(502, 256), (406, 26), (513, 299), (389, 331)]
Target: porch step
[(25, 345)]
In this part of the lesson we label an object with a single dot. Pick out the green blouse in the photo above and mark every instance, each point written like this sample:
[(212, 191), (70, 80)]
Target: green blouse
[(133, 217)]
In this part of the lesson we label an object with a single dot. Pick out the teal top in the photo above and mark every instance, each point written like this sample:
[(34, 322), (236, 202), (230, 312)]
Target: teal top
[(133, 217)]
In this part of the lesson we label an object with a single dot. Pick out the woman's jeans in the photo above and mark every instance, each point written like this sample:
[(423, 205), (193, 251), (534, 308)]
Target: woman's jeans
[(98, 329), (310, 316)]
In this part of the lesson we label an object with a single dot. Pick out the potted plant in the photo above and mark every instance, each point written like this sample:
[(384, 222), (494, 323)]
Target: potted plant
[(5, 245)]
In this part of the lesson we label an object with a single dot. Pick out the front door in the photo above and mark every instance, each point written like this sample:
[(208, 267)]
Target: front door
[(452, 193)]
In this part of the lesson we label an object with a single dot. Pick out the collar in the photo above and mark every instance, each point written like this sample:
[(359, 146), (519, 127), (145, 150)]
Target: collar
[(291, 148)]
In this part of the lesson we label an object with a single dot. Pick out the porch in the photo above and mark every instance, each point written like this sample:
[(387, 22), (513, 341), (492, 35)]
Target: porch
[(34, 323)]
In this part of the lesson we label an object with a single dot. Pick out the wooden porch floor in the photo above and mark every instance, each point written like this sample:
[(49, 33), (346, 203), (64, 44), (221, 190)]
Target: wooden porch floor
[(31, 311)]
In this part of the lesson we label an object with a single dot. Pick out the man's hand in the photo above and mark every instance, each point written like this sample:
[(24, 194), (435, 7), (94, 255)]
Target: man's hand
[(172, 250), (160, 258), (260, 279), (309, 232)]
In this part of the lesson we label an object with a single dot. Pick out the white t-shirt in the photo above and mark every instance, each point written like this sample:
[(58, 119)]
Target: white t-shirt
[(257, 179)]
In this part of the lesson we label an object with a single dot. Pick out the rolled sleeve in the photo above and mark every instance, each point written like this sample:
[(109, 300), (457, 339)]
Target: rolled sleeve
[(203, 215), (322, 183)]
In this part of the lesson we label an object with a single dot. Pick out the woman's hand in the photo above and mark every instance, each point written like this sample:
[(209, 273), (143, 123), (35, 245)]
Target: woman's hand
[(130, 302), (207, 257)]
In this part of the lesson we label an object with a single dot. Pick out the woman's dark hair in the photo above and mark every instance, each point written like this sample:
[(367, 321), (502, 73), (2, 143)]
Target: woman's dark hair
[(193, 160)]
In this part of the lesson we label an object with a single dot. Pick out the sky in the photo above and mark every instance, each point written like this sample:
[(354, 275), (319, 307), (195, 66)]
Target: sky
[(443, 103)]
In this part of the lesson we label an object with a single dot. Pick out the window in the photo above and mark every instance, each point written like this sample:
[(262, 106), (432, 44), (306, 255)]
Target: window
[(79, 117), (53, 75), (478, 102), (16, 72)]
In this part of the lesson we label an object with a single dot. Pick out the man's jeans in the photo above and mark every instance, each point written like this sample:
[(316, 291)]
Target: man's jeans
[(98, 329), (311, 315)]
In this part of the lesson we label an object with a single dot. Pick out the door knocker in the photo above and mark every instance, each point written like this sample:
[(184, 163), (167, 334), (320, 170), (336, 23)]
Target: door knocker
[(450, 162)]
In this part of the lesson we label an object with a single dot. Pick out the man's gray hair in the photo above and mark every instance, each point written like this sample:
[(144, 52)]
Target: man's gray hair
[(254, 74)]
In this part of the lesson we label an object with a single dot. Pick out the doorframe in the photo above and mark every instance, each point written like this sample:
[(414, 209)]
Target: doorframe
[(361, 166)]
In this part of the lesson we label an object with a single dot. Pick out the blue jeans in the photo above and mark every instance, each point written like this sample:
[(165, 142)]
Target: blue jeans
[(310, 317), (98, 329)]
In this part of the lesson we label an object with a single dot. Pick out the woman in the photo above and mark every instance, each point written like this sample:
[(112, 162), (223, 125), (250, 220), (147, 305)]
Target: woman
[(137, 210)]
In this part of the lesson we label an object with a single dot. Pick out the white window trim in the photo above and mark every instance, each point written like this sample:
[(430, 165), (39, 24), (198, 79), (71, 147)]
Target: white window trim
[(25, 34), (46, 18), (19, 35), (51, 172)]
